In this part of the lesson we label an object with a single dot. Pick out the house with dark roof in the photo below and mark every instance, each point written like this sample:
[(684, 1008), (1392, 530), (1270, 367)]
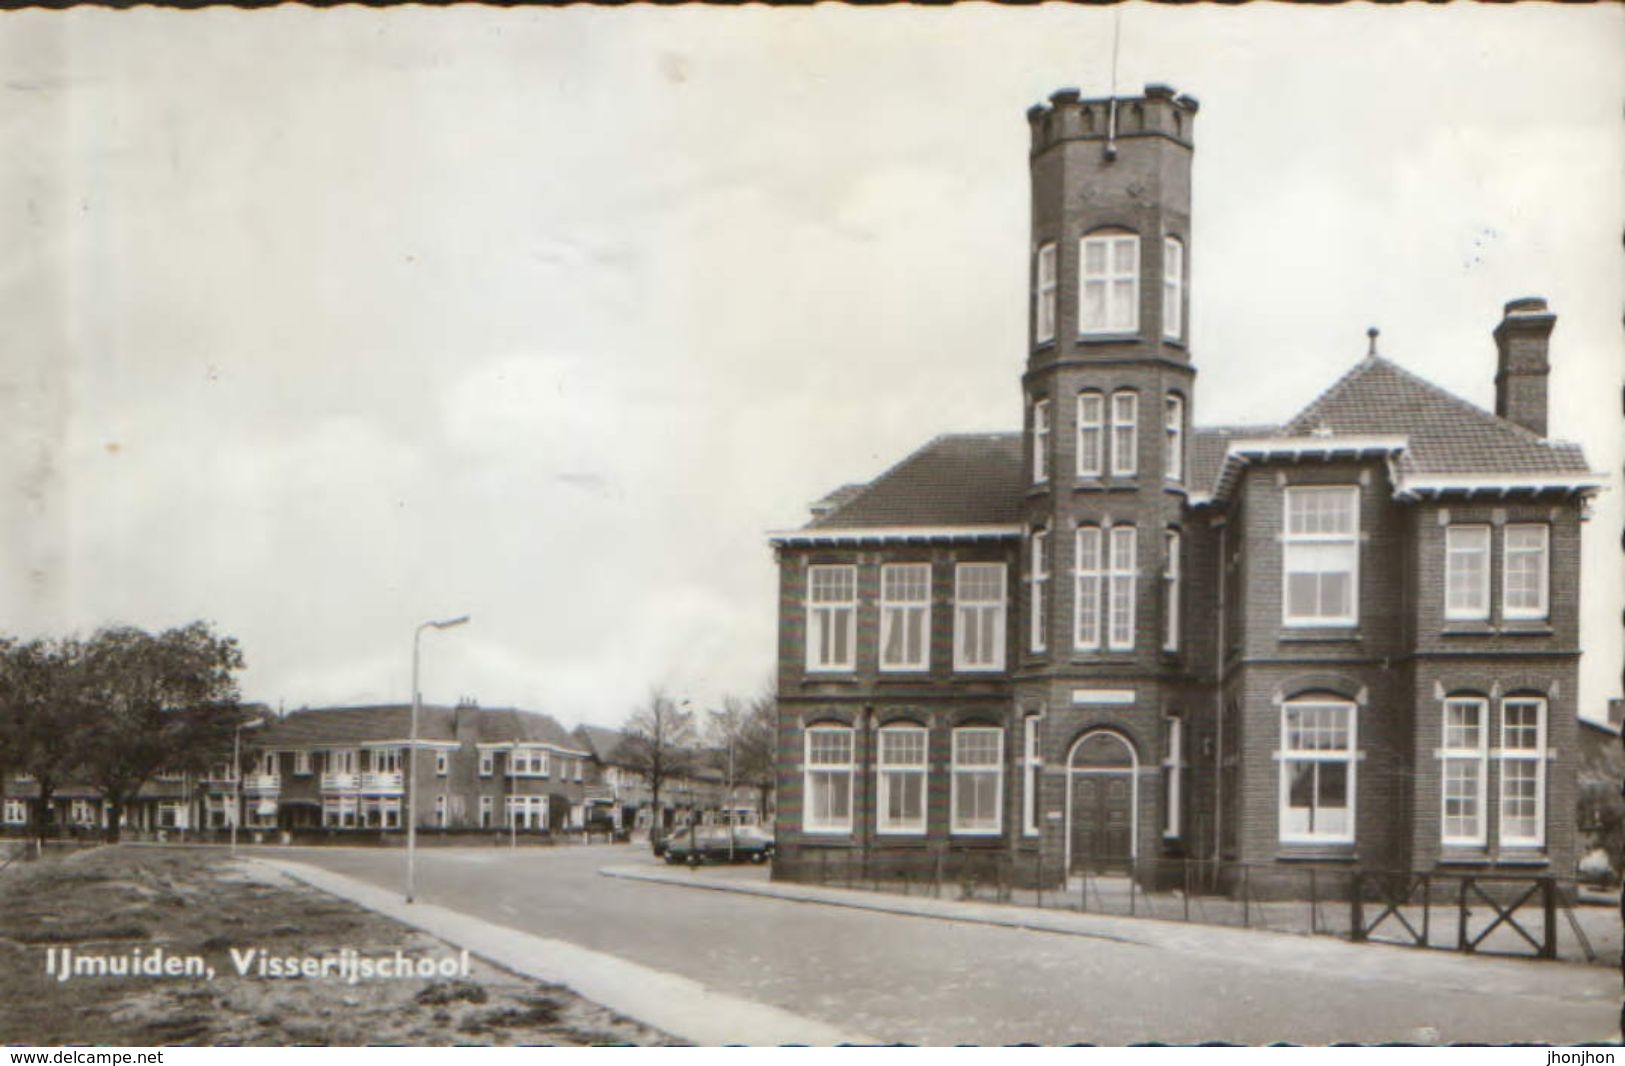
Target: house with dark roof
[(1116, 636), (697, 794)]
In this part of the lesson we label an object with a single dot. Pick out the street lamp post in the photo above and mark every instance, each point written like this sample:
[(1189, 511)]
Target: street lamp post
[(237, 777), (412, 756)]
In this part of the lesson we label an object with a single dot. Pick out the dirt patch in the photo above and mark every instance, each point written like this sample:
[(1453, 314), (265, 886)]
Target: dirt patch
[(139, 903)]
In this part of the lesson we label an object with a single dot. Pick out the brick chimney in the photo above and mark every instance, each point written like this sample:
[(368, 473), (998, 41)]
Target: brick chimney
[(1522, 367)]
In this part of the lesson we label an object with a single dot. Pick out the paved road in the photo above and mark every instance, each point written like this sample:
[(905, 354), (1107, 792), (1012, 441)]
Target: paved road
[(918, 980)]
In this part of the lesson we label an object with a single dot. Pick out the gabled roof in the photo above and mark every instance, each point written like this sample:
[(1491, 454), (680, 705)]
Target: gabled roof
[(328, 726), (600, 741), (956, 480), (1446, 434)]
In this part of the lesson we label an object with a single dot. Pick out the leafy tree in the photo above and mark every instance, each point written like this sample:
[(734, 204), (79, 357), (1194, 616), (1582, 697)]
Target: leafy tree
[(43, 717), (657, 742), (165, 702)]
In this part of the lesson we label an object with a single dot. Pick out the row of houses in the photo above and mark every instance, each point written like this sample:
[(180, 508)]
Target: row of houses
[(350, 769)]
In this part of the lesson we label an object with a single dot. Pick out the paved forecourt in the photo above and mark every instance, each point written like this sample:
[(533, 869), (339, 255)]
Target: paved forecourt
[(952, 978)]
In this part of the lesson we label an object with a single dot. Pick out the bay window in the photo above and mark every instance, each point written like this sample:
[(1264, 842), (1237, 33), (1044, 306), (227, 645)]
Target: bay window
[(1120, 590), (1173, 284), (1524, 572), (1038, 606), (1091, 434), (1044, 295), (977, 776), (1523, 772), (1463, 765), (832, 608), (1125, 433), (1040, 441), (1174, 434), (1031, 768), (1173, 763), (1467, 572), (905, 615), (1317, 771), (979, 596), (900, 767), (1320, 556), (1109, 289), (827, 785), (1170, 585), (1090, 576)]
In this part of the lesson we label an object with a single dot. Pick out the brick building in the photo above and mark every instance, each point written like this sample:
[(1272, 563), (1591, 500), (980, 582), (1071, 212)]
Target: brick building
[(1349, 638)]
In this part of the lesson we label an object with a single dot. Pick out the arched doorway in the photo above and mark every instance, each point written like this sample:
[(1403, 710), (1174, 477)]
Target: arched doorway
[(1102, 808)]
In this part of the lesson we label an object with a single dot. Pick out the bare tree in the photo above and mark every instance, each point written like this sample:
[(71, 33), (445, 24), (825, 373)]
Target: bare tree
[(657, 745), (759, 746)]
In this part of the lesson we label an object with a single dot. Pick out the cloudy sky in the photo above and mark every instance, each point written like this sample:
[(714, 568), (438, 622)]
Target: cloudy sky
[(320, 324)]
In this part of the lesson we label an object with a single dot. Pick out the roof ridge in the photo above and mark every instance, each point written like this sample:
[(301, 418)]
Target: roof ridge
[(1359, 369), (868, 486), (1460, 401)]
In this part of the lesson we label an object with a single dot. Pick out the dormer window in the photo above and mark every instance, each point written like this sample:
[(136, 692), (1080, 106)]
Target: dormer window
[(1109, 289)]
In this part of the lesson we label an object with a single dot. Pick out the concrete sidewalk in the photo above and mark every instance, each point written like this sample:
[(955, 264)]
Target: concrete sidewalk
[(669, 1002), (1435, 970)]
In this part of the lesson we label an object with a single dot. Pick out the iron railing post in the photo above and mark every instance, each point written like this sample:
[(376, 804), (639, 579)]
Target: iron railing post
[(1357, 906), (1548, 903)]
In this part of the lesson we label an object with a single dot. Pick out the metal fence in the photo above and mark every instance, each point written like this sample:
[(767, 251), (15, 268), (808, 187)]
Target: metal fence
[(1485, 913)]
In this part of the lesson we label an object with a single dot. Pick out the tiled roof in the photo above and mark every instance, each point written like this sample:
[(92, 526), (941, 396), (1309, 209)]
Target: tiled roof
[(1446, 434), (600, 741), (327, 726), (958, 479), (1208, 446)]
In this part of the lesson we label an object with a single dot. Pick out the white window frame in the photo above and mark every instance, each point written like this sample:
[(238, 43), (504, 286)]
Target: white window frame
[(1349, 756), (987, 614), (1173, 765), (1041, 429), (1171, 547), (1173, 417), (826, 610), (1117, 281), (488, 763), (301, 763), (1350, 540), (1121, 579), (960, 771), (487, 812), (1454, 752), (1091, 433), (1542, 553), (810, 823), (890, 773), (1462, 544), (1125, 433), (1044, 292), (1037, 613), (442, 763), (1032, 766), (1173, 288), (1523, 756), (895, 612), (1089, 570), (441, 808), (16, 812)]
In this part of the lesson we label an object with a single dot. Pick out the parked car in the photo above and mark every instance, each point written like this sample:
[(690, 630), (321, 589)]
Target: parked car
[(711, 843)]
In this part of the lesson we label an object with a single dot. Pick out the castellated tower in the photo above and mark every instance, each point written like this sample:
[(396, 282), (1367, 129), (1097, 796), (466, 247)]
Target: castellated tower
[(1108, 399)]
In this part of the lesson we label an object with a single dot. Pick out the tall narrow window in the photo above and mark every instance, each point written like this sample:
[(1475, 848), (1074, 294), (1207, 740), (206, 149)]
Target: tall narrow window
[(905, 615), (1125, 433), (978, 768), (828, 785), (832, 602), (1174, 438), (1317, 771), (1044, 296), (1109, 293), (1463, 758), (1320, 555), (1091, 434), (1173, 285), (1524, 572), (1039, 593), (1040, 441), (900, 767), (1120, 592), (1467, 572), (979, 616), (1090, 575), (1170, 590), (1523, 773), (1031, 767), (1173, 761)]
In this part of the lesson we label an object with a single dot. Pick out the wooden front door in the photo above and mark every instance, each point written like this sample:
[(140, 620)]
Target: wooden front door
[(1102, 819)]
